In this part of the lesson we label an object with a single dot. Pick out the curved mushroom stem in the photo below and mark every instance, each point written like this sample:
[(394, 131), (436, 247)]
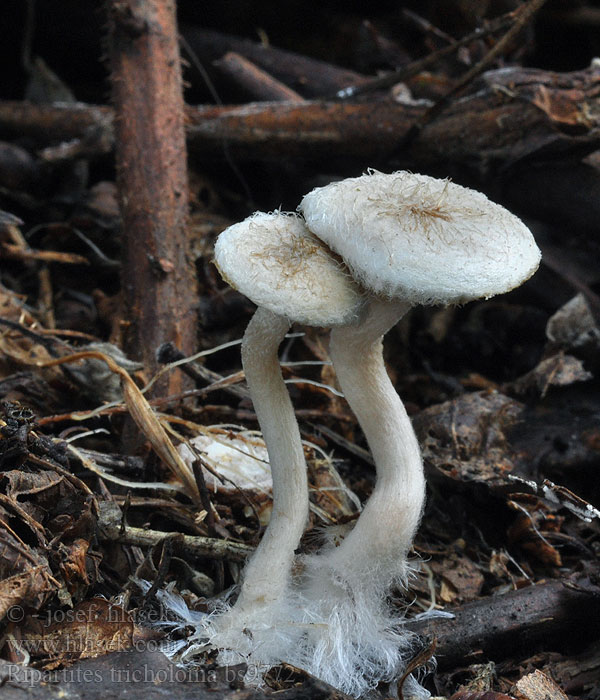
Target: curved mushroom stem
[(385, 528), (353, 638), (268, 572)]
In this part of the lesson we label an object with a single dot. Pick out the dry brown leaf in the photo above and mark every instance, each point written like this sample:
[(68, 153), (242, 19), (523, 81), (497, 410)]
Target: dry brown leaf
[(45, 486), (31, 589), (15, 555), (93, 628), (73, 563), (564, 107), (465, 439), (461, 578), (558, 370), (533, 521)]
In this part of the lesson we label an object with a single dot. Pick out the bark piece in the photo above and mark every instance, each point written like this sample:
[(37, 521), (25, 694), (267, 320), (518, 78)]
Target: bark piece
[(538, 686)]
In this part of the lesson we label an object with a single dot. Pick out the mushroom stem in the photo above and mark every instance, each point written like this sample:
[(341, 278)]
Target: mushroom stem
[(267, 574), (353, 637), (385, 529)]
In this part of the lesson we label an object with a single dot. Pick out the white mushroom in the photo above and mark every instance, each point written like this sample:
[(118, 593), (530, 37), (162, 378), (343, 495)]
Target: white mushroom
[(275, 261), (407, 239)]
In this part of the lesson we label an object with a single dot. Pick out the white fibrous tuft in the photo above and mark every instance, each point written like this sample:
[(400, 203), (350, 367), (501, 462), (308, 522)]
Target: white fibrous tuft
[(350, 635), (279, 264), (426, 240), (336, 624)]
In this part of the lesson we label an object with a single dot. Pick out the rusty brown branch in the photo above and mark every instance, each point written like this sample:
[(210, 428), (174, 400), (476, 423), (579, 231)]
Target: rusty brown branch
[(158, 278), (515, 114)]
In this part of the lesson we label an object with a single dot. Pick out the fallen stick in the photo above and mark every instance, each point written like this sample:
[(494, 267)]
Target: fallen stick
[(514, 114), (111, 529), (255, 82), (554, 613), (309, 76)]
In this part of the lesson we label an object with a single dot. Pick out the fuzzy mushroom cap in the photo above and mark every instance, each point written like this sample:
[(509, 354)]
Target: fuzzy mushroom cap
[(426, 240), (279, 264)]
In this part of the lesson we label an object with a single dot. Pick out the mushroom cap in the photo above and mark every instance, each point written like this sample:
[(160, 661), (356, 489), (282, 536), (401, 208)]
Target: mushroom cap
[(426, 240), (279, 264)]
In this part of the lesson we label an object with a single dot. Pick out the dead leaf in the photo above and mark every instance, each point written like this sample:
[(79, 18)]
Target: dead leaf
[(564, 106), (464, 439), (461, 578), (73, 564), (47, 487), (31, 589), (573, 327), (93, 628), (558, 370), (533, 522)]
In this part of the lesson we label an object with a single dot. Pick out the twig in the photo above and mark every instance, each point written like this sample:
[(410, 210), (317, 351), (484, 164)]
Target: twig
[(192, 544), (256, 82), (310, 77), (10, 250), (415, 67), (167, 353), (505, 121), (525, 14), (340, 441)]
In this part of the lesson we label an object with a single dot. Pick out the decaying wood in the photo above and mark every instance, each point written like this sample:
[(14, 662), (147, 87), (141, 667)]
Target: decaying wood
[(157, 274), (555, 612), (514, 115), (308, 76), (526, 13), (57, 122)]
